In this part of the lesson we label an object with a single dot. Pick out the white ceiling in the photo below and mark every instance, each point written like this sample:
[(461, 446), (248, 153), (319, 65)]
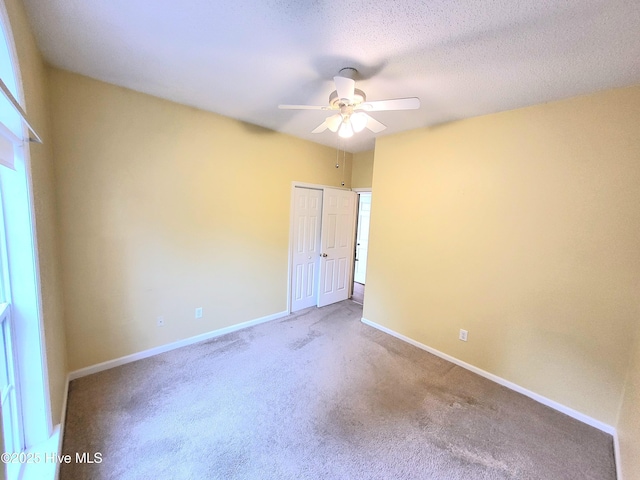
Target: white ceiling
[(242, 58)]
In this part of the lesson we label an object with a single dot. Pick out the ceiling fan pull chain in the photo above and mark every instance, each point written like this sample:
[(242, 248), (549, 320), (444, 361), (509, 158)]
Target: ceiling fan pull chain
[(344, 162)]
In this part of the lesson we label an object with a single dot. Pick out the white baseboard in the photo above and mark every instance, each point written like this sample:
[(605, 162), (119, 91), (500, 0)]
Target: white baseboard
[(63, 419), (83, 372), (501, 381), (616, 452)]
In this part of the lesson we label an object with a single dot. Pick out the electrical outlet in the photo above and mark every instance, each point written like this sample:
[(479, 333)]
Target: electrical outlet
[(160, 321), (463, 335), (199, 312)]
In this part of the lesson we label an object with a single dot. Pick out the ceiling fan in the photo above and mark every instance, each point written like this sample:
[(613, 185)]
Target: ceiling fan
[(352, 105)]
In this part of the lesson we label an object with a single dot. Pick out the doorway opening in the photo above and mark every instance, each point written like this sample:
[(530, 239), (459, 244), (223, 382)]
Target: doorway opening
[(361, 247)]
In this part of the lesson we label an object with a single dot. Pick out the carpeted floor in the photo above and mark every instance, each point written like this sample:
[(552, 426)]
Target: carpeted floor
[(358, 293), (318, 395)]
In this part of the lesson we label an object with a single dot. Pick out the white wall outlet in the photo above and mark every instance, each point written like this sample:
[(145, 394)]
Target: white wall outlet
[(199, 312), (463, 335), (160, 321)]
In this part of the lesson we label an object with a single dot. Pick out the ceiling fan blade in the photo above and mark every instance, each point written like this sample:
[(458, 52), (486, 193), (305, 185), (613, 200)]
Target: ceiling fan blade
[(374, 125), (345, 88), (320, 128), (303, 107), (411, 103), (333, 122)]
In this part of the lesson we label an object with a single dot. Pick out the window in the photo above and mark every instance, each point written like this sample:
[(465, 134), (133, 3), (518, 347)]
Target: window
[(24, 392), (12, 426)]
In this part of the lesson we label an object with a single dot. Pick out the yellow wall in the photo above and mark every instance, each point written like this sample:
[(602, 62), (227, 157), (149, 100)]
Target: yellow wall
[(165, 208), (362, 170), (521, 227), (43, 186), (629, 421)]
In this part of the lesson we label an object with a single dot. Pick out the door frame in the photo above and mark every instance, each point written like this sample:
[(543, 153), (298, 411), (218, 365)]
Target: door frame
[(314, 186), (358, 191)]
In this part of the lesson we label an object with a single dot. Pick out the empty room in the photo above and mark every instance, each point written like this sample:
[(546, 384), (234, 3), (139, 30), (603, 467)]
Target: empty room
[(329, 239)]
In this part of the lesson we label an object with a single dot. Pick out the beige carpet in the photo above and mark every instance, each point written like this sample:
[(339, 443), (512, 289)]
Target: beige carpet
[(358, 293), (318, 395)]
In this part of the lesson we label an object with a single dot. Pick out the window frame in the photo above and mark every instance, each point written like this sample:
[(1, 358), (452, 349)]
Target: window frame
[(21, 274)]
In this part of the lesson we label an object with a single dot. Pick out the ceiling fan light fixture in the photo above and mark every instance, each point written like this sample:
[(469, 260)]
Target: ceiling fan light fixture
[(346, 131), (358, 121)]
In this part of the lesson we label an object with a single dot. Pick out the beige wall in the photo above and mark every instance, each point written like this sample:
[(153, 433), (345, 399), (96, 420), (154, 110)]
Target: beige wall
[(43, 185), (521, 227), (629, 421), (165, 208), (362, 170)]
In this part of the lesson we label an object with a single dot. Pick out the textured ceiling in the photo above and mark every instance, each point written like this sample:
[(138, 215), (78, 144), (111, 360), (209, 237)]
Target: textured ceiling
[(242, 58)]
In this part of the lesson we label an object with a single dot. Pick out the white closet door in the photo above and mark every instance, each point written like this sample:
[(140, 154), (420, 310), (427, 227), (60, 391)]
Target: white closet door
[(306, 247)]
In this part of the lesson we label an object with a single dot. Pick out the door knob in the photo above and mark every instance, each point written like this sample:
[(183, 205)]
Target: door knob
[(324, 255)]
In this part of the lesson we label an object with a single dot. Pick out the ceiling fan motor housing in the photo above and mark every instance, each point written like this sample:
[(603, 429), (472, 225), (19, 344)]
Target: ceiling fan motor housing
[(358, 98), (348, 72)]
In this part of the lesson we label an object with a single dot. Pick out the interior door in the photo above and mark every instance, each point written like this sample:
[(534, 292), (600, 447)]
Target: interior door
[(337, 253), (306, 247), (362, 238)]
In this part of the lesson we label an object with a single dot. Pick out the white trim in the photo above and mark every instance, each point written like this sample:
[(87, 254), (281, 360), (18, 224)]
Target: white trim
[(63, 421), (12, 100), (45, 468), (48, 470), (362, 190), (290, 247), (83, 372), (315, 185), (44, 363), (616, 454), (501, 381)]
